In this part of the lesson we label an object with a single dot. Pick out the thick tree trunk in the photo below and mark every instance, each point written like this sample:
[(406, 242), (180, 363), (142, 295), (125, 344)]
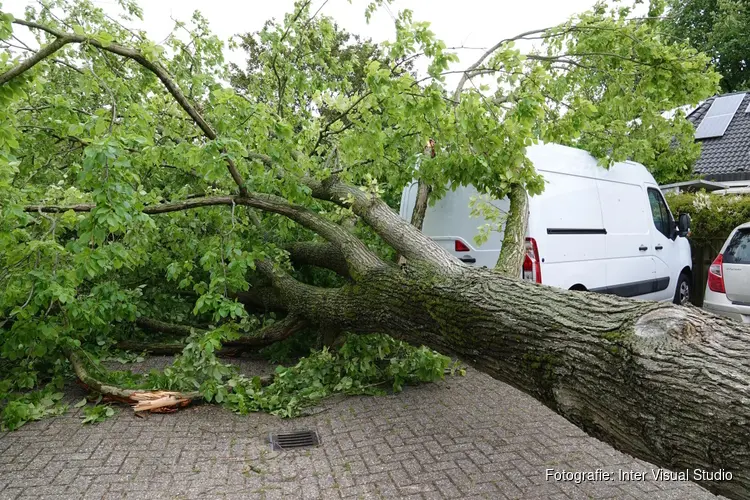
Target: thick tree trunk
[(668, 384), (513, 251)]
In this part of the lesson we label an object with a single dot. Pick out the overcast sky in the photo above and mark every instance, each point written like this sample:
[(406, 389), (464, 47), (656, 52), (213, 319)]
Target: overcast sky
[(474, 23)]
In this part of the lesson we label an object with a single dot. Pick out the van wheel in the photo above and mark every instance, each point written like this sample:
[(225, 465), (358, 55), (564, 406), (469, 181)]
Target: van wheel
[(683, 291)]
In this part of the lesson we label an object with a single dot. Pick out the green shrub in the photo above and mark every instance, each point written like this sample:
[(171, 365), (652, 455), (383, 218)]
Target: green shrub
[(713, 216)]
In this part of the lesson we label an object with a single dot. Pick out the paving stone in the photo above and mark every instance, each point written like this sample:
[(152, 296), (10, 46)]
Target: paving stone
[(466, 437)]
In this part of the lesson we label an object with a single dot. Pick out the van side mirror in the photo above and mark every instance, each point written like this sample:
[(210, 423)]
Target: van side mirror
[(683, 225)]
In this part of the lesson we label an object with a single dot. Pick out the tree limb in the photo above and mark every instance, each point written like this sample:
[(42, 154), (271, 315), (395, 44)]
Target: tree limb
[(170, 328), (323, 255), (469, 72), (131, 396), (139, 399), (261, 298), (398, 233), (356, 253), (63, 38), (307, 301), (266, 336), (35, 59)]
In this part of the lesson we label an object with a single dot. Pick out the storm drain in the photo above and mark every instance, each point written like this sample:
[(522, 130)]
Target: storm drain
[(291, 440)]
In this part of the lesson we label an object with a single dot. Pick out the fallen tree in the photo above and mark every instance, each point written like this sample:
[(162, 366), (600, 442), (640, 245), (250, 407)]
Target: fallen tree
[(310, 160)]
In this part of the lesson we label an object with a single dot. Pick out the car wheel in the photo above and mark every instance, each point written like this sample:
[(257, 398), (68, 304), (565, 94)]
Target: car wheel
[(683, 291)]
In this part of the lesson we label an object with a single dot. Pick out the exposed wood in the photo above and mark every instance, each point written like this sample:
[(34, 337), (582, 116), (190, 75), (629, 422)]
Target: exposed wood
[(420, 206), (130, 396), (139, 399)]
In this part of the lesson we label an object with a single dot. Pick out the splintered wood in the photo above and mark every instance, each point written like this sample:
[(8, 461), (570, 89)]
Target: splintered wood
[(157, 401)]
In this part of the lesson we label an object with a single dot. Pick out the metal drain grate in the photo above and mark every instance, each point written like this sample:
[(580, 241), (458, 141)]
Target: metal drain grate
[(299, 439)]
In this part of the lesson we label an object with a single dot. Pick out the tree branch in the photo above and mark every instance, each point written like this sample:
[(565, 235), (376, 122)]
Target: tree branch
[(359, 257), (131, 396), (261, 298), (266, 336), (170, 328), (398, 233), (323, 255), (310, 302), (63, 38), (469, 72), (35, 59)]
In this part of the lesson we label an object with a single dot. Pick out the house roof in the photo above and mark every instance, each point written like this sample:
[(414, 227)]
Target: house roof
[(695, 185), (727, 157)]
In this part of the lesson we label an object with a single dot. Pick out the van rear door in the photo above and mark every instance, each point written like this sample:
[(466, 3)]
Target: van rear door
[(566, 222), (736, 267), (450, 224)]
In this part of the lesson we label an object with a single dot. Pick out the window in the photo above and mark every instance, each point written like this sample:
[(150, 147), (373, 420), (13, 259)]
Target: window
[(659, 212), (738, 251)]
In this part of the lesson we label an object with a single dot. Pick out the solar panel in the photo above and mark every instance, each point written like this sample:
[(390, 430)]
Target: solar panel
[(713, 126), (719, 116)]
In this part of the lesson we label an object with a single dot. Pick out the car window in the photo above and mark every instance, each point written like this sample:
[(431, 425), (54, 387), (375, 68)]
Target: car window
[(738, 250), (659, 211)]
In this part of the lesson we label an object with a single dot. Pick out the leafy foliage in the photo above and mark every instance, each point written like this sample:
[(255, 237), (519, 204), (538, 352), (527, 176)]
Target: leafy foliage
[(718, 28), (713, 217), (19, 408), (364, 364), (97, 414), (93, 126)]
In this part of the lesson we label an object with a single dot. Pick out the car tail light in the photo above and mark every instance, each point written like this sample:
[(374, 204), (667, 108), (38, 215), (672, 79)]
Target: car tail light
[(461, 246), (532, 267), (716, 275)]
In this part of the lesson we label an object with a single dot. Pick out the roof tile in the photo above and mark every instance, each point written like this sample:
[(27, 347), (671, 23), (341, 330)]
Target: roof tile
[(729, 154)]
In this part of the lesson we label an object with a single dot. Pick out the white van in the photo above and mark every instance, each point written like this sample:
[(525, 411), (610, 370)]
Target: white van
[(597, 229)]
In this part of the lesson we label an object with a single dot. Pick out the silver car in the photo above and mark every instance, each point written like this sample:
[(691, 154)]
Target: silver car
[(728, 286)]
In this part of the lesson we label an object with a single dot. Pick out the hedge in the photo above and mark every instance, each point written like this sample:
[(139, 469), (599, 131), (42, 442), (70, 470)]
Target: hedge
[(713, 216)]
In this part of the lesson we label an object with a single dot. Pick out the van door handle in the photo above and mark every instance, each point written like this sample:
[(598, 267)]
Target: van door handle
[(658, 247), (643, 248), (468, 259)]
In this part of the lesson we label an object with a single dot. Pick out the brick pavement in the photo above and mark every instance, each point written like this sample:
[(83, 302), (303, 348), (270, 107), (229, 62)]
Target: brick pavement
[(467, 437)]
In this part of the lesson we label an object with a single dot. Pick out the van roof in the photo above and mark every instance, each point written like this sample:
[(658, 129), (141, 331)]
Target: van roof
[(572, 161)]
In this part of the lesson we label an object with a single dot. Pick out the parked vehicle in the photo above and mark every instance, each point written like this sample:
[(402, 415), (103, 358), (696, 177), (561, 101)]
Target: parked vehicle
[(728, 284), (597, 229)]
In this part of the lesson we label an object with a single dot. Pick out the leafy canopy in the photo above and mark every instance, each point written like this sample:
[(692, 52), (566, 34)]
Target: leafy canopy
[(718, 28)]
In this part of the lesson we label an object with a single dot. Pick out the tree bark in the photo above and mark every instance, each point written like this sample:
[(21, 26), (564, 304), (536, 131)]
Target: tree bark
[(420, 206), (323, 255), (513, 251), (666, 384), (420, 210)]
